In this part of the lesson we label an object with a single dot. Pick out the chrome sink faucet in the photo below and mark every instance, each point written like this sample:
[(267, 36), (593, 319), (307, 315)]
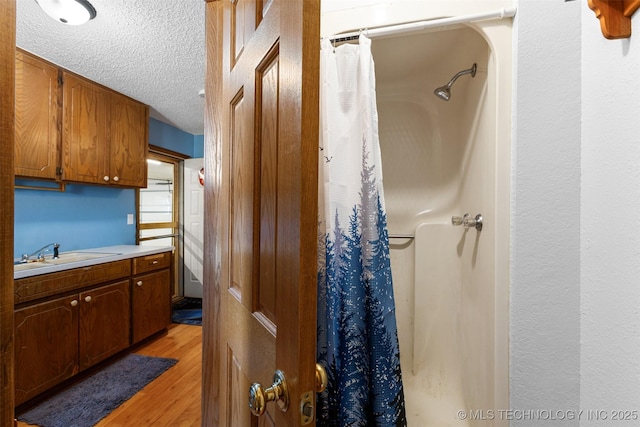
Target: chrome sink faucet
[(40, 253)]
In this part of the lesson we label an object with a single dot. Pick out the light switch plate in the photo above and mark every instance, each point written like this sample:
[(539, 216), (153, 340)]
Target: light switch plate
[(129, 219)]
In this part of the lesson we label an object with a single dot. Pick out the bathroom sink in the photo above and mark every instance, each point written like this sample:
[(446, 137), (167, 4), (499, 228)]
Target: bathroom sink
[(64, 258), (20, 266)]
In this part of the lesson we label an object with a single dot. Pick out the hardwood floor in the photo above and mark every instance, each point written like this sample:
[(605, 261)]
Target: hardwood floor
[(172, 399)]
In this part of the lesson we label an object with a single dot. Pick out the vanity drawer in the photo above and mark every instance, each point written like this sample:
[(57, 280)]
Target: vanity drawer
[(151, 262), (35, 287)]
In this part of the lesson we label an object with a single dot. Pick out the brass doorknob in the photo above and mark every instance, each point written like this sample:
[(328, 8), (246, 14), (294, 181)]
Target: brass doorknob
[(278, 392), (321, 378)]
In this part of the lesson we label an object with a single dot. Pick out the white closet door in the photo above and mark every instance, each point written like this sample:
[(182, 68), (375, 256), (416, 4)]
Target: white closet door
[(193, 227)]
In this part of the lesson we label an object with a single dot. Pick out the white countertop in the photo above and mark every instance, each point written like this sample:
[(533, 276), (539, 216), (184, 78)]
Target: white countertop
[(106, 254)]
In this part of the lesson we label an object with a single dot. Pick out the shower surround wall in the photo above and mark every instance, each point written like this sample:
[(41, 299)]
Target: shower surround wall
[(442, 159)]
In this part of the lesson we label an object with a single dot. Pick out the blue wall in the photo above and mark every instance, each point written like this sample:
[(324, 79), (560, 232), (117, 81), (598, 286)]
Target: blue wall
[(198, 146), (81, 217), (171, 138), (89, 216)]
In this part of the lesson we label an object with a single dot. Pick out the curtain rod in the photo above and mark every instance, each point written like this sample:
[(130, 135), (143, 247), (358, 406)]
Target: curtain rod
[(505, 12)]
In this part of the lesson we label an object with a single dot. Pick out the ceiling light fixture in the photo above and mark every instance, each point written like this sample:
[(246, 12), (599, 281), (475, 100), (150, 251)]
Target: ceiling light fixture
[(71, 12)]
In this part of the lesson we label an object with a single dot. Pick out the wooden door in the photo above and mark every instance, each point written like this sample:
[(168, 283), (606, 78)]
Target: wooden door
[(37, 147), (260, 239), (85, 117), (46, 350), (128, 141), (104, 322), (150, 303)]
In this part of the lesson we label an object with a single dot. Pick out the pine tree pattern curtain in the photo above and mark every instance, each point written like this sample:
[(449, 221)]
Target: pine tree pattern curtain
[(357, 333)]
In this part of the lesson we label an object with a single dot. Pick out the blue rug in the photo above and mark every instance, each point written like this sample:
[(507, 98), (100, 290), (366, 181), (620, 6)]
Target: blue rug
[(87, 402), (187, 310)]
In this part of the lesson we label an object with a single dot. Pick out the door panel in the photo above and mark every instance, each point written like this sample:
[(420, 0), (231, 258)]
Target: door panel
[(267, 140), (261, 206), (241, 198)]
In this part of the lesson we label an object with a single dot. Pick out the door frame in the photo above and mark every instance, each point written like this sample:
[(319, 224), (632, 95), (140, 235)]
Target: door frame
[(168, 156), (7, 88)]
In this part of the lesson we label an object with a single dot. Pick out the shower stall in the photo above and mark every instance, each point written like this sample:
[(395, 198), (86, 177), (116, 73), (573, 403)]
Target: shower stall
[(446, 166)]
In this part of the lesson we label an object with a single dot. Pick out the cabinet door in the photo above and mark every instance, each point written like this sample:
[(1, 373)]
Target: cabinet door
[(46, 346), (37, 135), (129, 141), (85, 117), (151, 301), (104, 322)]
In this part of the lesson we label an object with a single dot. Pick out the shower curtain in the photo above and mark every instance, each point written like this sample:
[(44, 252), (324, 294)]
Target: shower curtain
[(357, 334)]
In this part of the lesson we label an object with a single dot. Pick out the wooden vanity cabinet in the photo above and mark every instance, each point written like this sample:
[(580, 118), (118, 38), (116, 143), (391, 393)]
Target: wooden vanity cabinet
[(150, 295), (46, 346), (37, 113), (67, 321), (104, 139), (59, 338), (104, 322)]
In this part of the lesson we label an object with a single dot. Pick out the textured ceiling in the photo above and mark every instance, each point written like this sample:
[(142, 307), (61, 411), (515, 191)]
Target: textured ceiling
[(150, 50)]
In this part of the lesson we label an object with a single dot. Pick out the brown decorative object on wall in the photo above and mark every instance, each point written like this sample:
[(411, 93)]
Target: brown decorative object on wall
[(614, 16)]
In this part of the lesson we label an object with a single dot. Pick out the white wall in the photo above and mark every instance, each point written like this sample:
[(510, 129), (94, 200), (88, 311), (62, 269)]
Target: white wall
[(575, 304), (610, 236), (545, 210)]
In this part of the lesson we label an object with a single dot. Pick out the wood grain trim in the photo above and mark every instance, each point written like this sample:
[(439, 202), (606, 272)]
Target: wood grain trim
[(214, 207), (154, 225), (7, 88), (169, 153), (298, 125), (36, 287)]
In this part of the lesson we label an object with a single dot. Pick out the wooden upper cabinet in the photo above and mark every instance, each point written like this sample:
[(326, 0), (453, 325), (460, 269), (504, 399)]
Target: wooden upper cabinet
[(104, 135), (70, 129), (129, 136), (85, 142), (37, 106)]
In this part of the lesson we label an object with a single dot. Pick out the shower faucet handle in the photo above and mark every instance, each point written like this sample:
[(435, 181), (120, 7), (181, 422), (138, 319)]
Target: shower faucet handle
[(473, 222), (459, 220)]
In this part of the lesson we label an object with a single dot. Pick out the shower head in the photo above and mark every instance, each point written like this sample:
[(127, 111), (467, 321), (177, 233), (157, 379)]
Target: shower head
[(444, 92)]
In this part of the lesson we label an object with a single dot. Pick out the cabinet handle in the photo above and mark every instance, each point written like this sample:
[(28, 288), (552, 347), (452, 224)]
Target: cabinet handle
[(106, 178), (154, 262), (87, 298), (74, 303), (116, 179), (139, 283)]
